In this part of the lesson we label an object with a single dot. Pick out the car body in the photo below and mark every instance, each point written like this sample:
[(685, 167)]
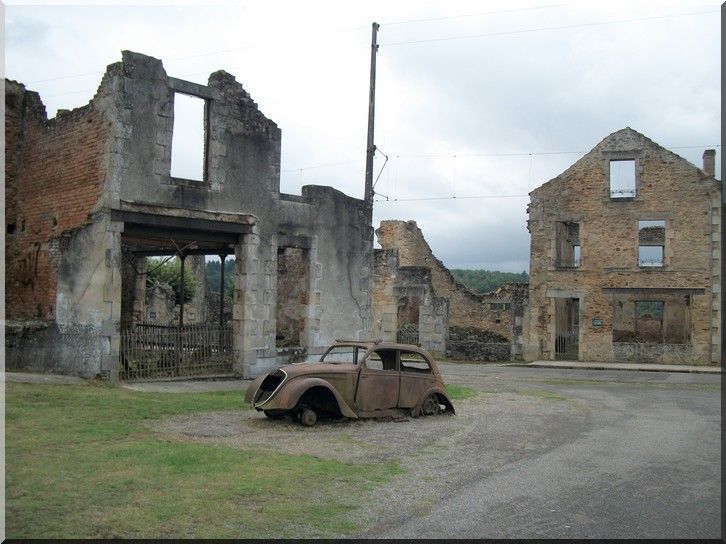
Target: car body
[(354, 379)]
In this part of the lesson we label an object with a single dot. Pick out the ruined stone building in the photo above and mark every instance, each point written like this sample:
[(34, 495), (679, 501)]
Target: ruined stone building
[(90, 195), (412, 286), (625, 258)]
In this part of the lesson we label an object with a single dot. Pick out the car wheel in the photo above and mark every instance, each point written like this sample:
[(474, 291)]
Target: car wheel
[(431, 405), (308, 417)]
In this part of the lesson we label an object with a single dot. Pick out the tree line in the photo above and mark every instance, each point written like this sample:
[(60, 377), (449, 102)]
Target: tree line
[(480, 281), (485, 281)]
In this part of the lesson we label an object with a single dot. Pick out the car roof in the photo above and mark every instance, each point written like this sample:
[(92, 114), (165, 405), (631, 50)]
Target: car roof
[(367, 344)]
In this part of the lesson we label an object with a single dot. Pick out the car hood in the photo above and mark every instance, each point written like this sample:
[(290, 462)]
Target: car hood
[(304, 369)]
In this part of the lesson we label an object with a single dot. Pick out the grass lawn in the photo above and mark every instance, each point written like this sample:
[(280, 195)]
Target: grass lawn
[(460, 392), (81, 464)]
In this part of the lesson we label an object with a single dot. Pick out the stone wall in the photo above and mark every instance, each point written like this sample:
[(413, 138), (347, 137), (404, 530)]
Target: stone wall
[(466, 308), (398, 288), (609, 280), (405, 296), (114, 157)]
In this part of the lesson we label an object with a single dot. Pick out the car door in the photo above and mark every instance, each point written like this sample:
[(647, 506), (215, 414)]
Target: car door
[(417, 377), (378, 381)]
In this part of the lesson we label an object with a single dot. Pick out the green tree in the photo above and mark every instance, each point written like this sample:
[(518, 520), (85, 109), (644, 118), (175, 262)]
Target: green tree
[(485, 281), (213, 271), (169, 272)]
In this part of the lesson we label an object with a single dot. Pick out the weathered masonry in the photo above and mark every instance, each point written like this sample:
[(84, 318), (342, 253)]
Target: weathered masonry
[(416, 299), (91, 193), (626, 258)]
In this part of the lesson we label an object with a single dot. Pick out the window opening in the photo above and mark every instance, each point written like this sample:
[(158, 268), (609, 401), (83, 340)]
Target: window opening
[(188, 139), (414, 362), (622, 179), (384, 359), (651, 243), (649, 321), (342, 354), (567, 235), (292, 291)]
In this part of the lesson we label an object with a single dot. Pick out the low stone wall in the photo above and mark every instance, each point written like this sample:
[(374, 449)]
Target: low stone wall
[(36, 346), (500, 351), (471, 344)]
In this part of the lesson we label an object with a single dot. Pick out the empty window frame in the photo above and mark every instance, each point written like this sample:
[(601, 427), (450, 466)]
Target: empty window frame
[(651, 244), (665, 321), (189, 138), (567, 239), (649, 321), (622, 179), (293, 283), (382, 359), (414, 362)]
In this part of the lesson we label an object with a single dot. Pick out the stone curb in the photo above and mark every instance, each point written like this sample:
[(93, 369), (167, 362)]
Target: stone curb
[(629, 367)]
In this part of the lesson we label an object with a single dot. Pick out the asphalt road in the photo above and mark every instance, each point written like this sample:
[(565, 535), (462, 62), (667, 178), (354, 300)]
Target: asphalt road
[(641, 461)]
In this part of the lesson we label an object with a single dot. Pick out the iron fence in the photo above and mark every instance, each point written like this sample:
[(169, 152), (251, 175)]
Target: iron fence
[(407, 334), (158, 351)]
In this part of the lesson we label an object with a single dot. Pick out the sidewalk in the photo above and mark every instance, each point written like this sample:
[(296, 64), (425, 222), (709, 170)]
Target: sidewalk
[(623, 366)]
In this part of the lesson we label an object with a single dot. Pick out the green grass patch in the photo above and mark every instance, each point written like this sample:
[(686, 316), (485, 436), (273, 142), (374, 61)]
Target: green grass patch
[(459, 392), (543, 394), (80, 463)]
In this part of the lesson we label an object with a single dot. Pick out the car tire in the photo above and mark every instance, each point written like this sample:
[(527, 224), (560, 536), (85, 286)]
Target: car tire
[(431, 405), (308, 417)]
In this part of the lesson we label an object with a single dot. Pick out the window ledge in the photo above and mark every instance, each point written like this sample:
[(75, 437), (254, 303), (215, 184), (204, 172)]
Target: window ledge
[(182, 182)]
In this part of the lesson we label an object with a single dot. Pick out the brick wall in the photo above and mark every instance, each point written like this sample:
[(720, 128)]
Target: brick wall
[(54, 177)]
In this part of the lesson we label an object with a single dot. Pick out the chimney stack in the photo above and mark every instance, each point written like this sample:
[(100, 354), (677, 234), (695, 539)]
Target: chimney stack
[(709, 162)]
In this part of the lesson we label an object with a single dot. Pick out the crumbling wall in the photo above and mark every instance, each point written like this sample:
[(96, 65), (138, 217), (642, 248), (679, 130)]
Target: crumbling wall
[(405, 307), (57, 262), (467, 309), (668, 188), (114, 159), (54, 177)]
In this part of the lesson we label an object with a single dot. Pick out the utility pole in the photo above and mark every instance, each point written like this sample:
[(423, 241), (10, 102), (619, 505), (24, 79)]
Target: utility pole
[(371, 148)]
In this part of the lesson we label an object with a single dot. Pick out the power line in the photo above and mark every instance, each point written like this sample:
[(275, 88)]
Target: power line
[(531, 153), (418, 199), (562, 27), (459, 155), (449, 17)]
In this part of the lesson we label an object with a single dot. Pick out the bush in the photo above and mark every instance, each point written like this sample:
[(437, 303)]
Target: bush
[(170, 272)]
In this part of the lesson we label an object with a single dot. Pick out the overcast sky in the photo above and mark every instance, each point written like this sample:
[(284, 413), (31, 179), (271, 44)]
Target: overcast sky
[(474, 99)]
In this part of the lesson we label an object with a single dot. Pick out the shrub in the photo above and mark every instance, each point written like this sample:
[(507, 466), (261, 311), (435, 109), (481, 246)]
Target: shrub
[(170, 272)]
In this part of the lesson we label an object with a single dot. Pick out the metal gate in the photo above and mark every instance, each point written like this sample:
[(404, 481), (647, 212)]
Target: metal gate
[(407, 334), (159, 351), (567, 329)]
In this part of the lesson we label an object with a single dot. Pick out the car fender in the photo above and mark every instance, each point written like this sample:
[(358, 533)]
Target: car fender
[(289, 395), (252, 388), (447, 401)]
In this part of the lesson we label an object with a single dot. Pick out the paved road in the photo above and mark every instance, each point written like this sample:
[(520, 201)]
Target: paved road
[(644, 462)]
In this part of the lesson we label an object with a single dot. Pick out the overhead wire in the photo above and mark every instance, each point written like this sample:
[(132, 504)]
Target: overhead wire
[(460, 155), (541, 29)]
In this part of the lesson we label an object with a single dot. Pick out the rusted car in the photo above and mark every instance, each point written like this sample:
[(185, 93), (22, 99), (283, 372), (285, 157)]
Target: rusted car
[(354, 379)]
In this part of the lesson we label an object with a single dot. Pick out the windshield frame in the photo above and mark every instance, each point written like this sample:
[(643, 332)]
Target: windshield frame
[(359, 354)]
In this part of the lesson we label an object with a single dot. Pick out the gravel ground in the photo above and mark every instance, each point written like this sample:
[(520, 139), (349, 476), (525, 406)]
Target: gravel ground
[(440, 455)]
